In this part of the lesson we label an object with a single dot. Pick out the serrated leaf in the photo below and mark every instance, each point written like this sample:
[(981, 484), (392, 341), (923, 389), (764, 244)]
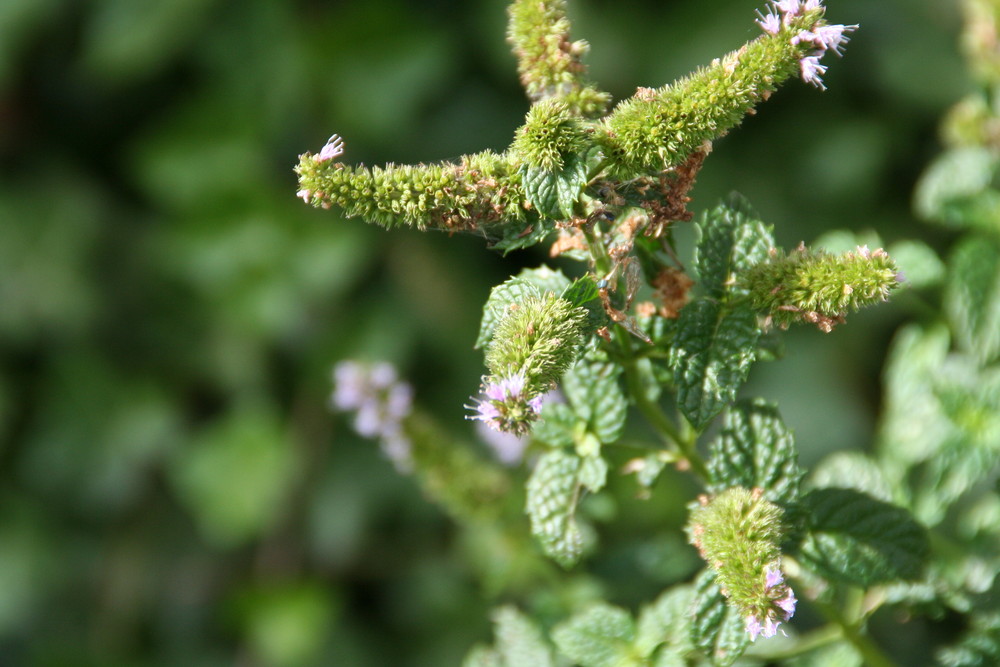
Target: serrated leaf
[(716, 628), (593, 473), (482, 656), (583, 293), (551, 506), (710, 356), (600, 636), (555, 193), (855, 538), (512, 291), (558, 426), (972, 297), (852, 470), (755, 450), (592, 389), (516, 239), (518, 639), (545, 279), (667, 623), (951, 191), (731, 239)]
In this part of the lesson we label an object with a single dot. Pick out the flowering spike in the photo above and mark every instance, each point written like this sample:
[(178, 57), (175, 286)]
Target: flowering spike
[(737, 533), (817, 287), (380, 402), (507, 406)]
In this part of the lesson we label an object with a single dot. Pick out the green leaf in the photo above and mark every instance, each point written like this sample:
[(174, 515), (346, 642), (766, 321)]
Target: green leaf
[(600, 636), (666, 624), (972, 297), (583, 293), (955, 190), (518, 639), (840, 654), (864, 541), (516, 238), (731, 239), (482, 656), (591, 386), (920, 265), (710, 356), (980, 645), (546, 280), (852, 470), (507, 293), (754, 449), (594, 473), (717, 628), (555, 193), (551, 506), (558, 426)]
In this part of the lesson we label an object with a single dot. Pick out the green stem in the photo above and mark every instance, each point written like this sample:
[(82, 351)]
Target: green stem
[(870, 652), (811, 641)]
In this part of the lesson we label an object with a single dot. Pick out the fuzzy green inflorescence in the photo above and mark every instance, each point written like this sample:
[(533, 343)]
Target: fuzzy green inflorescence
[(548, 62), (817, 287), (479, 194), (551, 133), (658, 129), (537, 339), (738, 533)]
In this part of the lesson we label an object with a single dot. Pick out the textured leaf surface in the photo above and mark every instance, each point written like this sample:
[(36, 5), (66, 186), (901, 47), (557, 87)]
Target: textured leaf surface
[(551, 506), (716, 628), (972, 297), (711, 356), (518, 640), (666, 624), (858, 539), (555, 193), (955, 190), (754, 449), (919, 263), (600, 636), (731, 239), (583, 292), (980, 645), (592, 389)]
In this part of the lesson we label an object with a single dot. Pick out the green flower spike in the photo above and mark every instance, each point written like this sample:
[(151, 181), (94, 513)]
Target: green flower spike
[(537, 339), (817, 287), (737, 533)]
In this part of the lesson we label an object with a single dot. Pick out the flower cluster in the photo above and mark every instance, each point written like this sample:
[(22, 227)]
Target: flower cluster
[(781, 609), (821, 38), (380, 402), (737, 533), (507, 406)]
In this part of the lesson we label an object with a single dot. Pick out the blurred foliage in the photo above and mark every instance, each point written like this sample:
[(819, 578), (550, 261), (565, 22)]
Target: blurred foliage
[(175, 490)]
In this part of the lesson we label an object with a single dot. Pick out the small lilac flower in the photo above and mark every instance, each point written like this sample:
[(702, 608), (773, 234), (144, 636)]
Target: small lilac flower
[(832, 37), (769, 23), (787, 604), (334, 148), (772, 577), (304, 195), (787, 7), (812, 71), (780, 608), (380, 403), (506, 407)]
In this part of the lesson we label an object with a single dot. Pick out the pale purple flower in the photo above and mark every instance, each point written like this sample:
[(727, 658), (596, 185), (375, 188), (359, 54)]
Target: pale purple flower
[(781, 606), (380, 403), (809, 5), (506, 405), (305, 195), (787, 7), (334, 148), (833, 37), (769, 23), (787, 604), (772, 577), (812, 71)]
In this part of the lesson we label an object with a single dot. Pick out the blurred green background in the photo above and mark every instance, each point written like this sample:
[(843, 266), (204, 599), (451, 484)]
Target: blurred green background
[(173, 486)]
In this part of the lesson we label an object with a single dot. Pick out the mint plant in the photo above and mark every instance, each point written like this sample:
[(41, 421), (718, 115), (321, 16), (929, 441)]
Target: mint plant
[(637, 332)]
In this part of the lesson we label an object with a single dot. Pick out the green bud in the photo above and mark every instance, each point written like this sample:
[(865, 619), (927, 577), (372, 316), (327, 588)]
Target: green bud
[(817, 287), (738, 533), (549, 134), (538, 339)]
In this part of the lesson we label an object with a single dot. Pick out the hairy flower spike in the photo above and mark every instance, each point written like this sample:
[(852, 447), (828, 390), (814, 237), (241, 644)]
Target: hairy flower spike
[(548, 62), (508, 406), (538, 340), (550, 133), (817, 287), (657, 129), (737, 533), (479, 194)]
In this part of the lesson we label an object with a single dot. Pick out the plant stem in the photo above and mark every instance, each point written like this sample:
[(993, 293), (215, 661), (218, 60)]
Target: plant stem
[(870, 652)]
